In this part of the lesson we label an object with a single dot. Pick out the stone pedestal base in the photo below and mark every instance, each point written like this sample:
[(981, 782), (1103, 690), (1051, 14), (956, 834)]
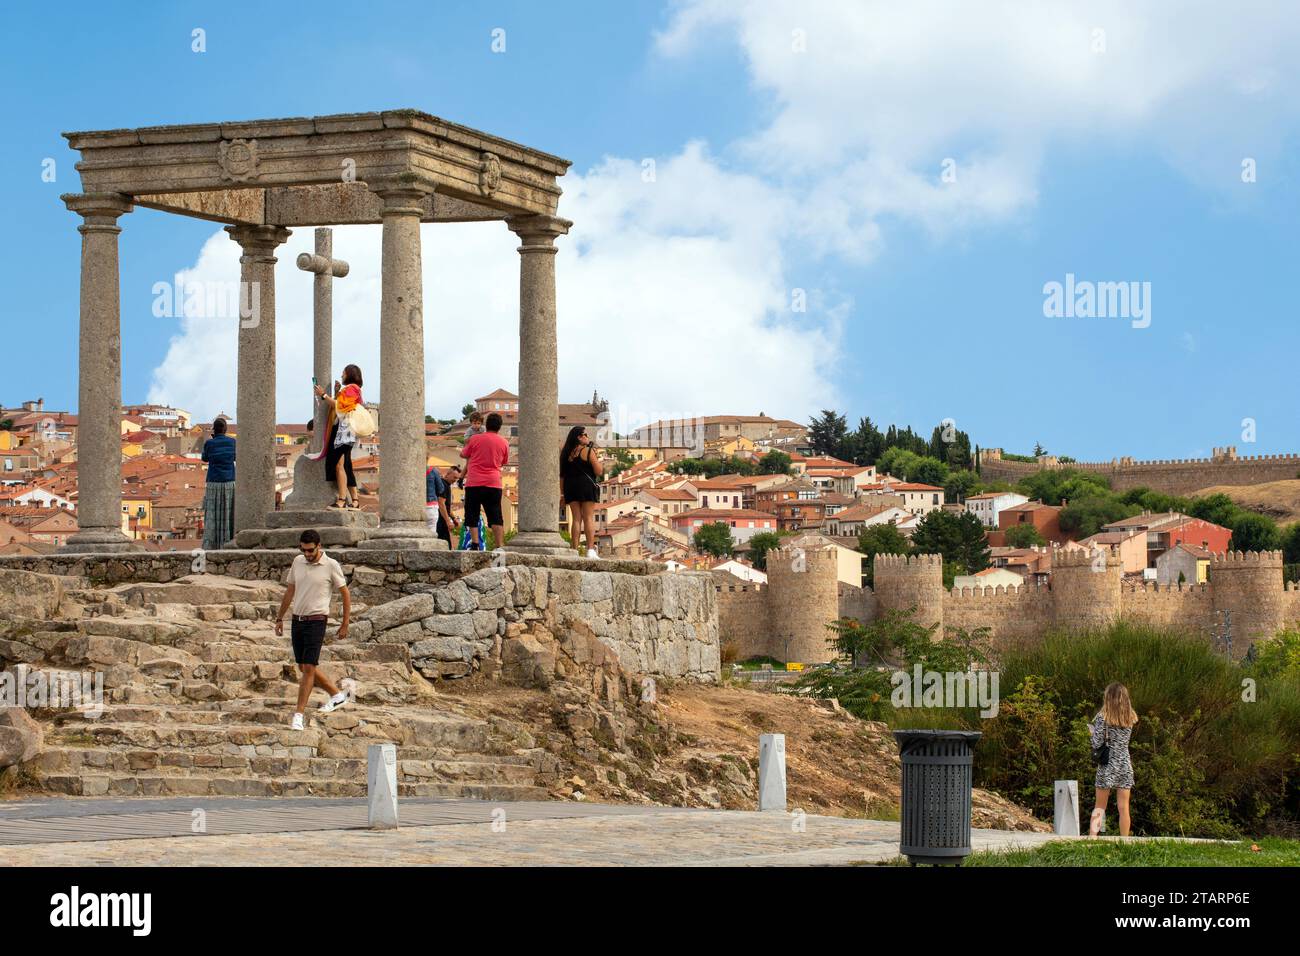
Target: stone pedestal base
[(405, 537), (539, 542), (310, 489), (95, 541), (338, 528)]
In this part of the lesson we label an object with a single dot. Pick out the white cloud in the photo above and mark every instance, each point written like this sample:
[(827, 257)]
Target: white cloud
[(672, 300), (885, 91)]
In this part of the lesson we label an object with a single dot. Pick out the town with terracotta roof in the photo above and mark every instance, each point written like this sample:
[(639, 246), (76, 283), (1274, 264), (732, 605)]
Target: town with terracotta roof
[(713, 492)]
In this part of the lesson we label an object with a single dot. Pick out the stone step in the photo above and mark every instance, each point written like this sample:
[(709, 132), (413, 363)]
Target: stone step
[(333, 735), (221, 652), (199, 589), (191, 785), (410, 767), (320, 518), (273, 538)]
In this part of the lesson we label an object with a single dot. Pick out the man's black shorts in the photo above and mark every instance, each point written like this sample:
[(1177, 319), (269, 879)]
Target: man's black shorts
[(489, 499), (308, 637)]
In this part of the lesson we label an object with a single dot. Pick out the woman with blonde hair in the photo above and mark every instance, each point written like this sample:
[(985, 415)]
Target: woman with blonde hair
[(1111, 731)]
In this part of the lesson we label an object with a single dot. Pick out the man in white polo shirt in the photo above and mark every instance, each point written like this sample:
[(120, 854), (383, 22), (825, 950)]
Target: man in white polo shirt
[(311, 580)]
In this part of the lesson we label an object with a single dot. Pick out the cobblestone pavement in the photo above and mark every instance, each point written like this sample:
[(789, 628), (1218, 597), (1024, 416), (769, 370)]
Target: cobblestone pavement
[(440, 833)]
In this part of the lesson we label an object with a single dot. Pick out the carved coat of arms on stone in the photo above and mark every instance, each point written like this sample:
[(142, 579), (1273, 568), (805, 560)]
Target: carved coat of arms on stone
[(489, 174), (238, 159)]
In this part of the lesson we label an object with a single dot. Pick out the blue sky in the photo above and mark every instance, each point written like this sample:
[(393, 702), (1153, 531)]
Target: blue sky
[(778, 169)]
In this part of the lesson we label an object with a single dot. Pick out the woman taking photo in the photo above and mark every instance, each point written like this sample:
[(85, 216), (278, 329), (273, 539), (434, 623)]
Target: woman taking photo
[(219, 492), (339, 437), (580, 471), (1111, 731)]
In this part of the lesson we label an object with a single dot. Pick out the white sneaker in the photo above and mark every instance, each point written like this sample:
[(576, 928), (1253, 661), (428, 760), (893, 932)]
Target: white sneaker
[(334, 703), (297, 722), (591, 553)]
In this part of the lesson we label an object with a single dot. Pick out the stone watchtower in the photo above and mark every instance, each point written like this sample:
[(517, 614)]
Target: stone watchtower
[(902, 581), (803, 597), (1086, 587), (1249, 595)]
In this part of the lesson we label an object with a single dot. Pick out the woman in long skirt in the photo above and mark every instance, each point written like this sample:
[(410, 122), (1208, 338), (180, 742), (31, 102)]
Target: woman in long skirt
[(219, 493)]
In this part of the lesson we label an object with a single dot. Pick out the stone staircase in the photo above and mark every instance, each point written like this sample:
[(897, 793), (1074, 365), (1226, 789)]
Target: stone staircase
[(198, 694)]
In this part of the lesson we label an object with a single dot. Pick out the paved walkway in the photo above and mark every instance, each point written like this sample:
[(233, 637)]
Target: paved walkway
[(296, 831)]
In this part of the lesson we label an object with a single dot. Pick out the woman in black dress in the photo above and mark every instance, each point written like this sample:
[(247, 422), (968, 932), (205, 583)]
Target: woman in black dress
[(580, 472)]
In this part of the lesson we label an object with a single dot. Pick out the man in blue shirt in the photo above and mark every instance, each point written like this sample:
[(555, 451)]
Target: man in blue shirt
[(437, 494)]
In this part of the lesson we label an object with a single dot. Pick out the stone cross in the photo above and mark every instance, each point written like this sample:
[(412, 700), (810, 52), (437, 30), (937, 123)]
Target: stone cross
[(326, 269)]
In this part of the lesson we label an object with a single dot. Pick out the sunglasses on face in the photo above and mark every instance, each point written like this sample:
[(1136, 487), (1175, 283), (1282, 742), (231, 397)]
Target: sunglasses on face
[(307, 549)]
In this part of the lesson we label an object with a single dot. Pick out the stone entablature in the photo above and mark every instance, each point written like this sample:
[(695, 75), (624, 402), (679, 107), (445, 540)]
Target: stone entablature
[(1245, 592), (274, 163)]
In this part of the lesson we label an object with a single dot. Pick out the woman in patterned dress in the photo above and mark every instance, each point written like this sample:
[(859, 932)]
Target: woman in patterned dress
[(1113, 725), (340, 438)]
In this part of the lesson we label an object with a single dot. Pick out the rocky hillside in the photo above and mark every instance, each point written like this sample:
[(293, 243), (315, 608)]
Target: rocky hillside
[(1280, 500), (198, 693)]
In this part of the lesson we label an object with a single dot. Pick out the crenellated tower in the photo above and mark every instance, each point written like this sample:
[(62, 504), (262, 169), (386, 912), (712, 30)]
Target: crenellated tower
[(902, 581), (1086, 587), (1248, 595), (803, 597)]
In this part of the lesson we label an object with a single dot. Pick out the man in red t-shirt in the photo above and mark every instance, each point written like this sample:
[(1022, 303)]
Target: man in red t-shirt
[(486, 453)]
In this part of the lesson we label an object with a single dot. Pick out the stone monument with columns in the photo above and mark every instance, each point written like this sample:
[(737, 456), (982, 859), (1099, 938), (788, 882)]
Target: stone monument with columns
[(262, 178)]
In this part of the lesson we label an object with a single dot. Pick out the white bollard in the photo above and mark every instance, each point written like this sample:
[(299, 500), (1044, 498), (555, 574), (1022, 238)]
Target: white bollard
[(381, 785), (1065, 821), (771, 772)]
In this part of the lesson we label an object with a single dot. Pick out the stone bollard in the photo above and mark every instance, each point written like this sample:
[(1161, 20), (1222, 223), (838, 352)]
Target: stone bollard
[(381, 785), (771, 772), (1065, 821)]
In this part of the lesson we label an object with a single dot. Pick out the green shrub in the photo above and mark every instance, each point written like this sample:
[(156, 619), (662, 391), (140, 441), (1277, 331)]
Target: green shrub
[(1206, 762)]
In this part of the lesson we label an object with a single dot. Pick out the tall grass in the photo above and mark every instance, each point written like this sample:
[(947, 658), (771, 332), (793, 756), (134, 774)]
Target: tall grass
[(1207, 760)]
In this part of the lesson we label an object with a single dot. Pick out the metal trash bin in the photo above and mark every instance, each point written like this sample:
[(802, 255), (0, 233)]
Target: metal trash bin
[(936, 794)]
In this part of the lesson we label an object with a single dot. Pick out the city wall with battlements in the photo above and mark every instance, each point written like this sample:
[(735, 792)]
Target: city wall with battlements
[(1175, 476), (1245, 601)]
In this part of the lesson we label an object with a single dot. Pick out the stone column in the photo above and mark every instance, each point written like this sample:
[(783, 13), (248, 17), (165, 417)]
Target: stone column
[(539, 412), (402, 454), (255, 401), (99, 392)]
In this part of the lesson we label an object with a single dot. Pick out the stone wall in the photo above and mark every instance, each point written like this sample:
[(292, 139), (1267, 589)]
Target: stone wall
[(1244, 590), (663, 624), (743, 620), (1172, 476), (454, 607)]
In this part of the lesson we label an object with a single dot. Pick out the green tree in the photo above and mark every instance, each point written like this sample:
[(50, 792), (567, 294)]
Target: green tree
[(1254, 532), (775, 463), (958, 537), (1024, 536), (714, 539), (467, 410), (879, 539), (870, 442), (759, 545), (960, 485), (1086, 515), (929, 471), (827, 432)]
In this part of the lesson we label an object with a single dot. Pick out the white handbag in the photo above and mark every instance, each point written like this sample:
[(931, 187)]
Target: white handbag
[(361, 422)]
